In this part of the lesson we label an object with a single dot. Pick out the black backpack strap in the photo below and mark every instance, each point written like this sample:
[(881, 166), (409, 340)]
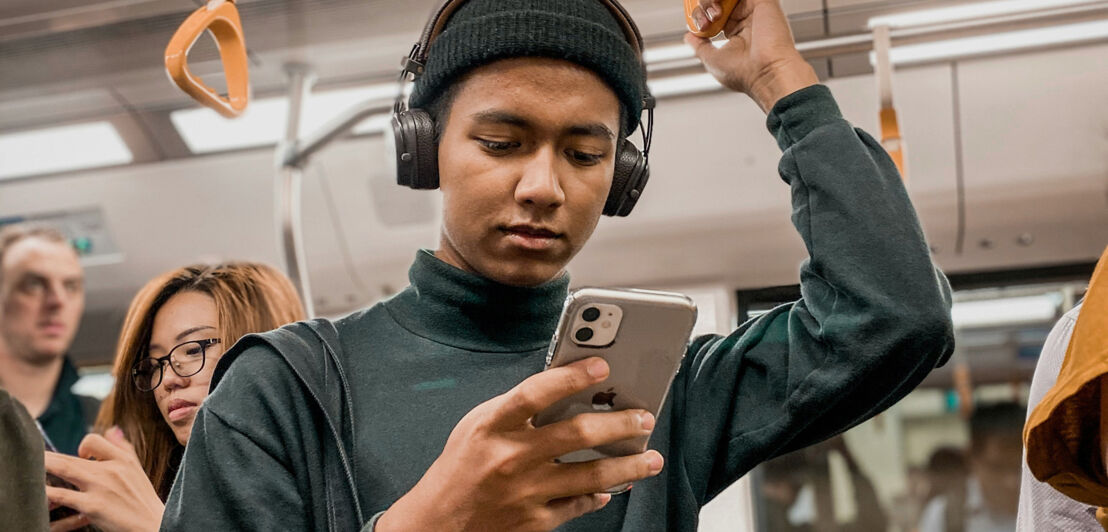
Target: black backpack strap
[(341, 488), (314, 353)]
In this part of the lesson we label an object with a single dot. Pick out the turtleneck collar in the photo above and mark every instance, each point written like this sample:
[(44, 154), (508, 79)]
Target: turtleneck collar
[(460, 309)]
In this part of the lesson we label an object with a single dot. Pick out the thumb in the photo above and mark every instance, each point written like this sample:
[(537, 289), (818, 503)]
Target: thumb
[(116, 436), (703, 48), (111, 446)]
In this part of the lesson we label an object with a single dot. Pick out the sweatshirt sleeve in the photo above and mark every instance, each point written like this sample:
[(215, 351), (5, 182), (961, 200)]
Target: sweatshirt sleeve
[(236, 473), (872, 321)]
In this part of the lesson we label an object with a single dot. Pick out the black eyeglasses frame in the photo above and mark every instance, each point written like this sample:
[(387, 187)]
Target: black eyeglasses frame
[(162, 362)]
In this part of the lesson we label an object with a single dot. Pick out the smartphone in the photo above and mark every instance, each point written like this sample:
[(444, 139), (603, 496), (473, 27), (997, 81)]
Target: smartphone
[(59, 512), (642, 335)]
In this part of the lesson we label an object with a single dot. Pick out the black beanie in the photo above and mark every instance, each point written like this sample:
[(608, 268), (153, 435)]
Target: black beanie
[(580, 31)]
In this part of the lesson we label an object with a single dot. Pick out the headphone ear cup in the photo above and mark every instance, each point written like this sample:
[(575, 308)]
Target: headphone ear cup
[(417, 164), (631, 174)]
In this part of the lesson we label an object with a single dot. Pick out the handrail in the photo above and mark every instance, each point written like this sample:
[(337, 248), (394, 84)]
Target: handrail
[(863, 42), (293, 155), (297, 154), (221, 18)]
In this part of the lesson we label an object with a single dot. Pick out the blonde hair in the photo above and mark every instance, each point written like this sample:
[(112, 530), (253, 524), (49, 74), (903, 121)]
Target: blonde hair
[(250, 297)]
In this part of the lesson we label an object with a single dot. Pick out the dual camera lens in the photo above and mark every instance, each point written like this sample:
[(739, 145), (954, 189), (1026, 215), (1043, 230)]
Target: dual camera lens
[(585, 334)]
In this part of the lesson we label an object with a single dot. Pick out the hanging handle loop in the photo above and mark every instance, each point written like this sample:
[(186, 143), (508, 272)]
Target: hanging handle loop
[(222, 19), (713, 28), (890, 126)]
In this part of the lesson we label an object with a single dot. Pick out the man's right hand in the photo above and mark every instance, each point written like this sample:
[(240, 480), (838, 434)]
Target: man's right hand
[(497, 471), (760, 57)]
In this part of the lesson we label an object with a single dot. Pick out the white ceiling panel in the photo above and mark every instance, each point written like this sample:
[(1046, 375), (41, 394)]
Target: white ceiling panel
[(1036, 138)]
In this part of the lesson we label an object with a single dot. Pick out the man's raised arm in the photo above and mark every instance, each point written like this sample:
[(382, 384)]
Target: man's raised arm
[(874, 317)]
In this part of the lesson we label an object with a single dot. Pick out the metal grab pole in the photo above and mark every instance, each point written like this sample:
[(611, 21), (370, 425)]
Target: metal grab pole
[(288, 190), (298, 154), (863, 42), (292, 155), (292, 240)]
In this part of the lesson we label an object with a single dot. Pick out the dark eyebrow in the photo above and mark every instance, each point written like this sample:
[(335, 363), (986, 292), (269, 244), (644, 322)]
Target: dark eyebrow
[(502, 117), (593, 129), (39, 276), (32, 276), (180, 337), (189, 331)]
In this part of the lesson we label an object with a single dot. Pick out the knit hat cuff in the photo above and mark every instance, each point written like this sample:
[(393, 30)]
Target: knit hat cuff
[(477, 41)]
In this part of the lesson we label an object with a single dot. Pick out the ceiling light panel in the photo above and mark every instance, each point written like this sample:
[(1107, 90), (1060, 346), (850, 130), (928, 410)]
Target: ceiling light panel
[(61, 149), (1042, 308), (263, 123)]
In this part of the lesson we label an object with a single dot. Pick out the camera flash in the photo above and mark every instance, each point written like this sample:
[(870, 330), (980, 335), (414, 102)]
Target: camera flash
[(606, 324)]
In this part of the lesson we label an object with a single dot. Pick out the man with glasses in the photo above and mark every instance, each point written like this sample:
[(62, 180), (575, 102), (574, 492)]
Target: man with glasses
[(41, 299)]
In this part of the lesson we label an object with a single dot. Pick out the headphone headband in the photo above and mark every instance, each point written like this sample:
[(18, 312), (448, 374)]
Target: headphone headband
[(417, 58), (438, 21)]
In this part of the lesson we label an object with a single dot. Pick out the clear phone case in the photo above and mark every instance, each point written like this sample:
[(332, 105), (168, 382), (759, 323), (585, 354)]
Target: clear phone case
[(644, 356)]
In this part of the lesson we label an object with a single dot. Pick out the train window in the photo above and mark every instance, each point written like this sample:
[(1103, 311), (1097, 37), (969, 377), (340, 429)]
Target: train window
[(923, 462)]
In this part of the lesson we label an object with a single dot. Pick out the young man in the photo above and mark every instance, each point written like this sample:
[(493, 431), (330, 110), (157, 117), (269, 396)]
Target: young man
[(416, 411), (41, 299)]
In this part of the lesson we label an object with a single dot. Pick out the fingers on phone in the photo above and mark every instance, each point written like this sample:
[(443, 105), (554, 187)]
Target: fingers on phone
[(64, 497), (95, 446), (601, 475), (72, 522), (585, 431), (66, 468), (539, 391), (563, 510)]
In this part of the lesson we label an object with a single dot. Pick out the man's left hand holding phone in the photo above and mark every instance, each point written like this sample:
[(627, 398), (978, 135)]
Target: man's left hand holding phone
[(497, 471), (102, 488)]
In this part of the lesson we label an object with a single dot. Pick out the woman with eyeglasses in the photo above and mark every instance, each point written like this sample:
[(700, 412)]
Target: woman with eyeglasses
[(178, 326)]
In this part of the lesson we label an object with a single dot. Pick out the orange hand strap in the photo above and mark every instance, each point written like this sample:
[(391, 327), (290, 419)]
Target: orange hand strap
[(890, 139), (222, 19), (883, 73), (713, 28)]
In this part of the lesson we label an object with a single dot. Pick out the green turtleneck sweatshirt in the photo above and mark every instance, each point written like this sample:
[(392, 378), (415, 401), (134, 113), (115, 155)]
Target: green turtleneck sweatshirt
[(873, 321)]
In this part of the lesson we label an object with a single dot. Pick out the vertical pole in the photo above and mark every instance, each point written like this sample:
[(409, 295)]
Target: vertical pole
[(289, 179)]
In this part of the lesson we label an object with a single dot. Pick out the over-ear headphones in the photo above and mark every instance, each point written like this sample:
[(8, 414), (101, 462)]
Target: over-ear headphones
[(414, 129)]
